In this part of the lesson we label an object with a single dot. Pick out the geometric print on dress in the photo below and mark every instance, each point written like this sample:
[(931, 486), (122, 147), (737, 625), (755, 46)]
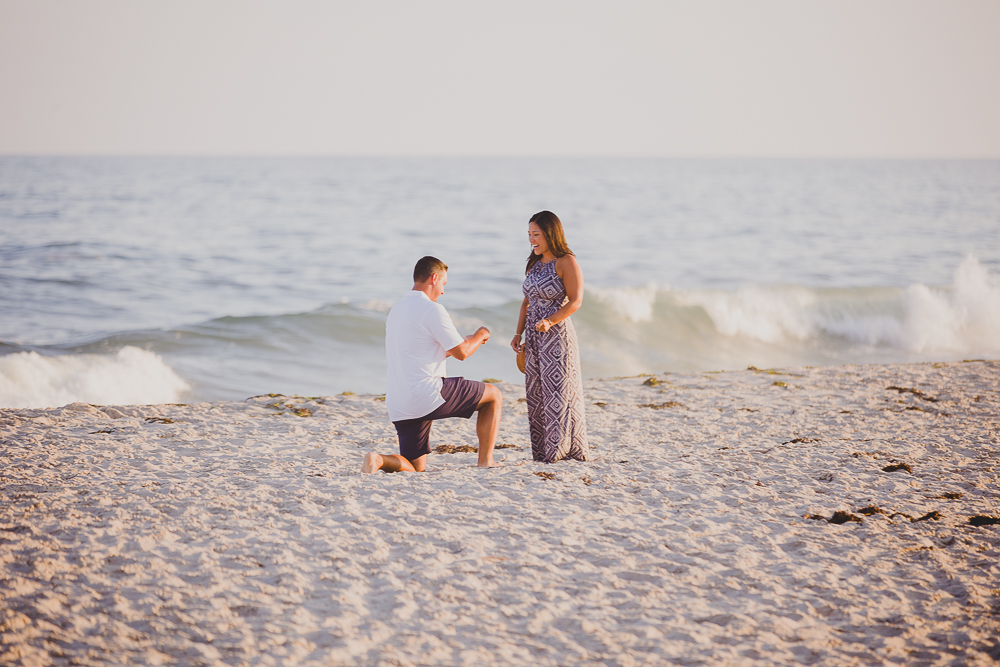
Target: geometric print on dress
[(553, 380)]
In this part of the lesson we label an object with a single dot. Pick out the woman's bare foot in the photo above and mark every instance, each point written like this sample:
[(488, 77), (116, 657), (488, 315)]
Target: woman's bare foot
[(371, 463)]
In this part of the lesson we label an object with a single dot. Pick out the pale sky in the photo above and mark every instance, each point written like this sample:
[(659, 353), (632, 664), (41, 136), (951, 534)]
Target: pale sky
[(714, 78)]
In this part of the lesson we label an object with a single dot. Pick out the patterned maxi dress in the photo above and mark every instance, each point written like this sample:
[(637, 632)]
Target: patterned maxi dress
[(553, 381)]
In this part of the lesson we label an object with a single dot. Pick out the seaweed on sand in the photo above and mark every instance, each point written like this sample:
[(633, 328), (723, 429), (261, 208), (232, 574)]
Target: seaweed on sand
[(915, 392), (796, 441), (838, 518), (983, 520), (452, 449)]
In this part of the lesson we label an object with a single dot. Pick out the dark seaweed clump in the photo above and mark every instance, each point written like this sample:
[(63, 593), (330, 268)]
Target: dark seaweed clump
[(983, 520), (915, 392), (898, 466), (871, 510), (452, 449), (467, 449)]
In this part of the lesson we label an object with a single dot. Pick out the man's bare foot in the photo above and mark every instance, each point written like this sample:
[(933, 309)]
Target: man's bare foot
[(372, 463)]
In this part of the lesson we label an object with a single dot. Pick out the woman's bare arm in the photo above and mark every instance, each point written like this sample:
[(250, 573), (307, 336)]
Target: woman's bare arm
[(568, 269), (521, 317)]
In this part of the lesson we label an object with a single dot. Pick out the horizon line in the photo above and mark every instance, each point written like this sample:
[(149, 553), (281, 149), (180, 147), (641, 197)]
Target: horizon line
[(504, 156)]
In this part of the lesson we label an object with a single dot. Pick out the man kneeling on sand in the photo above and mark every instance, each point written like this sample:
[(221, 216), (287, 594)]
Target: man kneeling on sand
[(419, 337)]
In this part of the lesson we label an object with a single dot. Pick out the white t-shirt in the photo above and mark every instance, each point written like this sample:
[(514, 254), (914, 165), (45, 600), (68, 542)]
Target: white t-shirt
[(418, 335)]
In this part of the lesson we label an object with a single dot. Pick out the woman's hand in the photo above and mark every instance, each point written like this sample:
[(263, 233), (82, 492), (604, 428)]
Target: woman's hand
[(543, 325), (515, 343)]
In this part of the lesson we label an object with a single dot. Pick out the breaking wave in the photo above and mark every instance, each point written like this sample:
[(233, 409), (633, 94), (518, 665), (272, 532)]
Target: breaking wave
[(622, 331), (964, 317), (129, 376), (633, 329)]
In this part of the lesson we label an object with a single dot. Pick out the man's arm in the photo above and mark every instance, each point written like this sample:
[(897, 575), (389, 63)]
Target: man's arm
[(466, 348)]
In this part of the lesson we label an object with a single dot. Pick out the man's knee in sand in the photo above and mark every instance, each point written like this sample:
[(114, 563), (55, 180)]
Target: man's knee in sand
[(489, 409)]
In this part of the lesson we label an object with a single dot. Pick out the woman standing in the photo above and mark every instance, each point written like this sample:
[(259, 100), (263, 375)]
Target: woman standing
[(553, 290)]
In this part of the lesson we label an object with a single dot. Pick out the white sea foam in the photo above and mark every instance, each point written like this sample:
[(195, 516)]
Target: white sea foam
[(635, 304), (964, 317), (376, 305), (767, 314), (131, 376), (967, 317)]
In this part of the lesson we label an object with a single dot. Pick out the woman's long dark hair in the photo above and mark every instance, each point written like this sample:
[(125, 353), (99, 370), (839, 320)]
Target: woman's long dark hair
[(551, 227)]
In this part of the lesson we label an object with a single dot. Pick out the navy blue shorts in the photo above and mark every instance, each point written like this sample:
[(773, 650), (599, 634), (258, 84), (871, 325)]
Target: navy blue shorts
[(461, 398)]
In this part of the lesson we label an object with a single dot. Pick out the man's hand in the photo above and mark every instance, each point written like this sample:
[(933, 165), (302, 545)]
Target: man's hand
[(463, 351)]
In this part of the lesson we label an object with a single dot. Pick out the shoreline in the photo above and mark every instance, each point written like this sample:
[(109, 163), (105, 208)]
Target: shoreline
[(244, 533)]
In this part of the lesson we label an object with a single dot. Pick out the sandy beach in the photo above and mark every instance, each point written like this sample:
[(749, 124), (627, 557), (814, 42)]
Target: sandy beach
[(242, 533)]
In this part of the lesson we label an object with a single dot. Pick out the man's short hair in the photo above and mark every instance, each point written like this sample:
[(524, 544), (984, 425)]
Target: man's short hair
[(426, 267)]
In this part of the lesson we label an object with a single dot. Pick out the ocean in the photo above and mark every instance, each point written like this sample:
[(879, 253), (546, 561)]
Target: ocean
[(168, 280)]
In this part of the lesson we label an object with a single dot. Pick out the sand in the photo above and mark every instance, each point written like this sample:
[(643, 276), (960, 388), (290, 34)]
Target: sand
[(243, 533)]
